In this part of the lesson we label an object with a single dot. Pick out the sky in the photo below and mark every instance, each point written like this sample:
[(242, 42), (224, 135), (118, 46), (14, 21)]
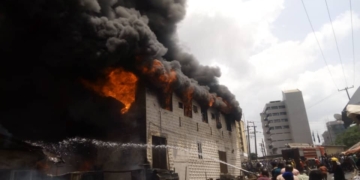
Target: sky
[(264, 47)]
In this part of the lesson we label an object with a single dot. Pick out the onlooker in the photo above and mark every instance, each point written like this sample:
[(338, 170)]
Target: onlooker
[(273, 171), (303, 175), (277, 171), (315, 175), (323, 170), (337, 170), (264, 175), (294, 171), (287, 175)]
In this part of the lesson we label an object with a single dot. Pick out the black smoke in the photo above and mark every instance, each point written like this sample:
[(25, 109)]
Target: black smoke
[(47, 46)]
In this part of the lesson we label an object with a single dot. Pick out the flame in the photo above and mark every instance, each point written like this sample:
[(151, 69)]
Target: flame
[(167, 78), (187, 99), (211, 100), (120, 85)]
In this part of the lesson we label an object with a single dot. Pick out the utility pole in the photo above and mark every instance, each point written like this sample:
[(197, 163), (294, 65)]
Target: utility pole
[(264, 147), (346, 89), (255, 140), (248, 126), (248, 138)]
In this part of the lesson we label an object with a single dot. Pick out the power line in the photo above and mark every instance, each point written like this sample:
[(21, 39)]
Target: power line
[(352, 35), (321, 100), (337, 46), (322, 53)]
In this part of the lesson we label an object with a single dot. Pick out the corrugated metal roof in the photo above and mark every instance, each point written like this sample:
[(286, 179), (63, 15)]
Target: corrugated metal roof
[(355, 146)]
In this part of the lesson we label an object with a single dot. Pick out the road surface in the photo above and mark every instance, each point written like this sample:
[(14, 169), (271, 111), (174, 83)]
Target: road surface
[(348, 176)]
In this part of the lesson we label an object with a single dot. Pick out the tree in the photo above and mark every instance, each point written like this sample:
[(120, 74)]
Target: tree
[(253, 156), (348, 138)]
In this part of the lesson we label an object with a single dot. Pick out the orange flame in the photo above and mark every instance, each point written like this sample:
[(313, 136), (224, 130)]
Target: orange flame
[(187, 99), (166, 78), (120, 85), (211, 101)]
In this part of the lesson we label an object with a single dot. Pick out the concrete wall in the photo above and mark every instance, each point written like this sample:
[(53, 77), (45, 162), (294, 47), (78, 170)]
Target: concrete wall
[(333, 149), (164, 123), (296, 112)]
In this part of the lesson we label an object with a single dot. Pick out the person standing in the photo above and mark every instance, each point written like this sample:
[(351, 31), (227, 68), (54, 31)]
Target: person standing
[(277, 171), (303, 175), (264, 175), (323, 170), (315, 175), (288, 174), (337, 170), (274, 167)]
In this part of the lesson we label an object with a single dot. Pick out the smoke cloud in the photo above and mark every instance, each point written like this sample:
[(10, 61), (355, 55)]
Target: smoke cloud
[(47, 46)]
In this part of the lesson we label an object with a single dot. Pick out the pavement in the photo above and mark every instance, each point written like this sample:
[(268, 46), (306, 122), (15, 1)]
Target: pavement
[(348, 176)]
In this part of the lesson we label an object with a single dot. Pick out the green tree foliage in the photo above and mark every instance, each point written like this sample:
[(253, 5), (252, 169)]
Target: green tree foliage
[(253, 156), (348, 138)]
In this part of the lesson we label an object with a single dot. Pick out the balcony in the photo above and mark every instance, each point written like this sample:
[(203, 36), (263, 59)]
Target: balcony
[(267, 124)]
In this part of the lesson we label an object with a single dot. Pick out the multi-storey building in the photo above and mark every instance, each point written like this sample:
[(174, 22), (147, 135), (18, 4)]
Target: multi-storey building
[(243, 143), (188, 138), (285, 122), (334, 128), (199, 139)]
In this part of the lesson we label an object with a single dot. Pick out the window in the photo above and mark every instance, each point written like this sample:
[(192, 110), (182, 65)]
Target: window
[(281, 107), (278, 127), (181, 105), (180, 121), (199, 150), (275, 114), (269, 115), (277, 120), (204, 114), (286, 120), (271, 128), (212, 116), (286, 127), (274, 107), (195, 109), (283, 113)]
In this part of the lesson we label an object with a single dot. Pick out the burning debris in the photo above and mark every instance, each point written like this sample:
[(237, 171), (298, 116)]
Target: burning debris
[(75, 67)]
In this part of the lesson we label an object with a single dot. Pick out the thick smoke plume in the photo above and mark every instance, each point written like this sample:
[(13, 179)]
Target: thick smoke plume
[(49, 46)]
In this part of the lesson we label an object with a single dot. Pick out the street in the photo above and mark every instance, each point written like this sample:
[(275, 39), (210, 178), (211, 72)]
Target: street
[(348, 176)]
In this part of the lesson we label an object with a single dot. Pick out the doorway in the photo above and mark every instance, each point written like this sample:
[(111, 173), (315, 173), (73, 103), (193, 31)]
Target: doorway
[(159, 157)]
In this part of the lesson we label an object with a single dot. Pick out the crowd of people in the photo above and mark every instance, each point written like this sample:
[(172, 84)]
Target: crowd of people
[(305, 168)]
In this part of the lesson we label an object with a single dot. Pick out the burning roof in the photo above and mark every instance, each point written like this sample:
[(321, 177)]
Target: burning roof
[(79, 59)]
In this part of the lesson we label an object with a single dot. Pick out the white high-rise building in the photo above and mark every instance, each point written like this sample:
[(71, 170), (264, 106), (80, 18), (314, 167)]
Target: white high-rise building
[(285, 122)]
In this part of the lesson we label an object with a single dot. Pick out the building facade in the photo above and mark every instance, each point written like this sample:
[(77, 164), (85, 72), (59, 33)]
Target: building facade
[(243, 142), (334, 128), (195, 140), (285, 122)]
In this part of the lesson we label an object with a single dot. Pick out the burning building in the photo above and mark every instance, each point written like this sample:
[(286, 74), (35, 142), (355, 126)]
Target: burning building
[(84, 78)]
